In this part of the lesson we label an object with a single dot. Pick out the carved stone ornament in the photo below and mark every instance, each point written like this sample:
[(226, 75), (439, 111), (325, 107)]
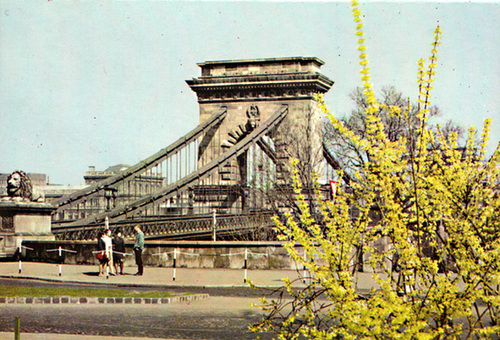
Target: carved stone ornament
[(253, 115), (19, 188)]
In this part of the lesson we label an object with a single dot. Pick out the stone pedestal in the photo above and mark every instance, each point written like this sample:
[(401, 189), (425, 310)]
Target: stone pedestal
[(23, 221)]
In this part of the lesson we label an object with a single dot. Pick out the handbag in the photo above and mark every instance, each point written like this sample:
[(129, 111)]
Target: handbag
[(101, 256)]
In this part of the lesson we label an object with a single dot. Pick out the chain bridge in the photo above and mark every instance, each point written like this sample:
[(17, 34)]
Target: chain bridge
[(225, 175)]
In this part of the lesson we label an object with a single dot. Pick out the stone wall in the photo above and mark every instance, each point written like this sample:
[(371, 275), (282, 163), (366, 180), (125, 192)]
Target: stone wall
[(195, 254)]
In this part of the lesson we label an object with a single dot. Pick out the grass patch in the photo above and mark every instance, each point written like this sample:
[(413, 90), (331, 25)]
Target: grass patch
[(10, 291)]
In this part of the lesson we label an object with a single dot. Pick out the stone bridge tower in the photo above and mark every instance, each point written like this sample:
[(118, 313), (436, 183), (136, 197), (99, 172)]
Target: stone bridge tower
[(252, 91)]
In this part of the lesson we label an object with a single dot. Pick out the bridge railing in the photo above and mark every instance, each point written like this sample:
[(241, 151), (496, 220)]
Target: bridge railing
[(160, 170), (173, 228)]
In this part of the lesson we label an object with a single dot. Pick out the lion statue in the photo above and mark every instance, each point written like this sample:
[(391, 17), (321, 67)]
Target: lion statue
[(19, 188)]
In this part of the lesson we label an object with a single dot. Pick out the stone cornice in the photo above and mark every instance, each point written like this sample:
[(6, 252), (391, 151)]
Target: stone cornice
[(23, 207), (213, 100), (260, 87), (261, 61), (249, 86), (236, 80), (268, 79)]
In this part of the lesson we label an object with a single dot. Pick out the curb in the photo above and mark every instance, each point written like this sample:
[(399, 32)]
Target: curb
[(100, 300), (127, 284)]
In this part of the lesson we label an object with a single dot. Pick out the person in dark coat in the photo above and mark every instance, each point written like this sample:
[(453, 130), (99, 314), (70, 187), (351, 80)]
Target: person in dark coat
[(101, 253), (138, 247), (118, 250)]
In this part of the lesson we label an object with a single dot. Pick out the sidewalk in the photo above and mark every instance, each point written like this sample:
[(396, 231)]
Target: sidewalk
[(52, 336), (153, 277), (160, 276)]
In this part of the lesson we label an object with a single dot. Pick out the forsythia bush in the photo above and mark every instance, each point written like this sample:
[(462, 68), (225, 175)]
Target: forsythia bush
[(437, 208)]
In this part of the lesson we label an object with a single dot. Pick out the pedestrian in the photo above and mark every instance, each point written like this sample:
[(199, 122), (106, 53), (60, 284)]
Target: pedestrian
[(101, 253), (138, 247), (119, 251), (109, 250)]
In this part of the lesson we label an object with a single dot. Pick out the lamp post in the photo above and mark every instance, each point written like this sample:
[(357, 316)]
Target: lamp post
[(110, 196)]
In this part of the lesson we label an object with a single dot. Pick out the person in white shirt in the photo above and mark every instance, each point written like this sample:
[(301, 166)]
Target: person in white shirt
[(109, 250)]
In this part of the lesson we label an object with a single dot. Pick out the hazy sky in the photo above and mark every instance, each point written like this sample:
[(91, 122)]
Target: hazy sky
[(103, 82)]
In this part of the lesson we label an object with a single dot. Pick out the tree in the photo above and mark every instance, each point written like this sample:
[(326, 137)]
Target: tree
[(351, 158), (298, 137), (437, 209)]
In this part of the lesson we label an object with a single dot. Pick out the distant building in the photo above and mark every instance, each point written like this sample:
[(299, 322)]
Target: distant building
[(136, 188), (92, 176), (123, 193)]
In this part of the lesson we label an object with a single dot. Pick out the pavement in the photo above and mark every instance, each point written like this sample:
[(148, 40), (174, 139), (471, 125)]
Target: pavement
[(51, 336), (153, 277), (161, 276)]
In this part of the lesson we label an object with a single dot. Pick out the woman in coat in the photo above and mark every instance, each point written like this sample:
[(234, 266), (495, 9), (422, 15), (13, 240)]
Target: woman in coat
[(101, 253)]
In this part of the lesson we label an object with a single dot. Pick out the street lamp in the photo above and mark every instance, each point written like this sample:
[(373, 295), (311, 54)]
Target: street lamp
[(110, 196)]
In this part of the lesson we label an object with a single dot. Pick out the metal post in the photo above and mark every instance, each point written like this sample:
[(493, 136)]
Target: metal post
[(17, 328), (175, 261), (214, 237), (305, 268), (60, 260), (245, 265), (20, 249)]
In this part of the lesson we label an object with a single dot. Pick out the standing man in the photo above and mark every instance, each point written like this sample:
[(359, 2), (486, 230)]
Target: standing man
[(119, 251), (138, 247)]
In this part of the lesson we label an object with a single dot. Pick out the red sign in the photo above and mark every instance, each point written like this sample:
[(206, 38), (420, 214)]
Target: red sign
[(333, 187)]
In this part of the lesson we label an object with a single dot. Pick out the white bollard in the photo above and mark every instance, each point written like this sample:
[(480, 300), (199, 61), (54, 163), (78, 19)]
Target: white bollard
[(175, 260), (214, 237), (245, 266)]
